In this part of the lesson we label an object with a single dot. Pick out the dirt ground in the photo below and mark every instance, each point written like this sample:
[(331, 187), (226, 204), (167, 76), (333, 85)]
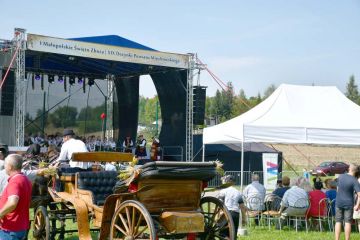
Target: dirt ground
[(300, 156)]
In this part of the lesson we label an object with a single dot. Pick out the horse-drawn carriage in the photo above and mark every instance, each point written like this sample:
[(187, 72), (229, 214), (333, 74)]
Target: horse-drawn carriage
[(164, 200)]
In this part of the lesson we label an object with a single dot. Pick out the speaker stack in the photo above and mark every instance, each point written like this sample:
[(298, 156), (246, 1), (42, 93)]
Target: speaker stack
[(7, 94), (199, 99)]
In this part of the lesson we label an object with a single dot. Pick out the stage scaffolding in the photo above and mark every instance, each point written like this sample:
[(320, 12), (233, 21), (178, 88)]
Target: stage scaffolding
[(20, 83), (20, 106)]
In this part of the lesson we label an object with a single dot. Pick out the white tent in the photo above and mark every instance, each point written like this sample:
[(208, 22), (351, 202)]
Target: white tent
[(293, 114)]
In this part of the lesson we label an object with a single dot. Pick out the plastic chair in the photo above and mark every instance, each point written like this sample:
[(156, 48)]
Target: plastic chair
[(331, 214), (322, 215), (272, 206), (254, 208), (300, 208)]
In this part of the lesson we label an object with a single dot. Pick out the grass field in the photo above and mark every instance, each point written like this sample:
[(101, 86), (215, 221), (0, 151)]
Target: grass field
[(261, 233)]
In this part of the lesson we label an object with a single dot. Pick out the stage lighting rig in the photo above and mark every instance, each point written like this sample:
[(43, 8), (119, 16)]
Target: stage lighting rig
[(91, 81), (71, 80), (60, 79), (51, 78), (37, 77)]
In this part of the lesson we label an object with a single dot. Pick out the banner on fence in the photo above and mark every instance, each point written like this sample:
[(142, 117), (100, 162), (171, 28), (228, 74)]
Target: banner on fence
[(270, 168)]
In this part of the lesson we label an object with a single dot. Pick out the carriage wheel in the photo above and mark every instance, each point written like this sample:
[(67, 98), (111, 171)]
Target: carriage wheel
[(41, 224), (132, 221), (218, 220)]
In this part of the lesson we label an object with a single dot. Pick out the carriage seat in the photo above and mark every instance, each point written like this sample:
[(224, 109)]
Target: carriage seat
[(99, 184)]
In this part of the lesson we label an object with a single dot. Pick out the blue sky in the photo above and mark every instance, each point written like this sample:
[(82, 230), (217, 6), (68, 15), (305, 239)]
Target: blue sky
[(251, 43)]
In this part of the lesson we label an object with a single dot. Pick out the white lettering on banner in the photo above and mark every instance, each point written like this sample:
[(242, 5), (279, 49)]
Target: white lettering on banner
[(270, 169), (105, 52)]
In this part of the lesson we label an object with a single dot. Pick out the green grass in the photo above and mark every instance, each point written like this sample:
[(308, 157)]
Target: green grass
[(264, 233), (259, 233)]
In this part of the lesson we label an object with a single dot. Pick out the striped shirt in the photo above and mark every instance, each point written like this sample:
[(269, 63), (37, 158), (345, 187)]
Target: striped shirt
[(291, 197)]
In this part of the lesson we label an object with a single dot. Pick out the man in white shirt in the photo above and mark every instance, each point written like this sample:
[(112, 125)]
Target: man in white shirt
[(70, 146), (232, 199), (254, 194)]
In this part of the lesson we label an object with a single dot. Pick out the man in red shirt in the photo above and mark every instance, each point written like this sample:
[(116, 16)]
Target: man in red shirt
[(15, 201)]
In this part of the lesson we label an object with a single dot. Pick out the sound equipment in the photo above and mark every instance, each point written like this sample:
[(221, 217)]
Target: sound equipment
[(7, 94), (199, 99)]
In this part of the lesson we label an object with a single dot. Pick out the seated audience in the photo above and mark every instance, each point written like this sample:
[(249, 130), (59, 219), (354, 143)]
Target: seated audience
[(255, 190), (290, 204), (281, 190), (331, 195), (315, 197)]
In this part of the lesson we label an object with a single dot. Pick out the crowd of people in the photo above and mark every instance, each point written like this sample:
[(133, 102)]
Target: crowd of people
[(96, 143), (340, 198), (93, 143), (298, 196), (17, 184)]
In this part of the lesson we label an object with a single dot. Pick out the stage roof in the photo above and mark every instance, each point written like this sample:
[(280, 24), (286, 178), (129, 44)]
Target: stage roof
[(41, 58)]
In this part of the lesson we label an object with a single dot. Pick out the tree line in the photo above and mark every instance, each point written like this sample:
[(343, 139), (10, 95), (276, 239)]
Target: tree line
[(226, 104)]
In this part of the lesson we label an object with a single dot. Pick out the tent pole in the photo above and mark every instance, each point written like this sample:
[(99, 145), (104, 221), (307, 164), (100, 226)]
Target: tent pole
[(203, 152), (242, 165)]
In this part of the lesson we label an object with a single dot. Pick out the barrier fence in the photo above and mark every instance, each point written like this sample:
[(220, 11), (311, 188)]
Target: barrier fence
[(216, 181)]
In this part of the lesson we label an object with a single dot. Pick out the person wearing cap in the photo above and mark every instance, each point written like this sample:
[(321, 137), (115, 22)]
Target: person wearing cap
[(71, 145), (233, 200), (155, 149), (140, 151), (127, 145)]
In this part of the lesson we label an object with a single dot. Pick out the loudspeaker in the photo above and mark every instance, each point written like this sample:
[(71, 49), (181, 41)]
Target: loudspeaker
[(7, 94), (199, 99)]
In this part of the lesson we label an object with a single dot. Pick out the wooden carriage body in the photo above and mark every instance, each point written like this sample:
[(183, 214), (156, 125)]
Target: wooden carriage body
[(163, 203)]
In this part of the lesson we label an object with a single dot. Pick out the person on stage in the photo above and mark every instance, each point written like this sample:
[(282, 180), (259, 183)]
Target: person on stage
[(155, 151), (128, 145), (140, 151)]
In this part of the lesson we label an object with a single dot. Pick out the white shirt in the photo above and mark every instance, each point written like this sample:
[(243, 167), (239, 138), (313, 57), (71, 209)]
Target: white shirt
[(73, 146), (110, 167), (231, 197), (255, 190)]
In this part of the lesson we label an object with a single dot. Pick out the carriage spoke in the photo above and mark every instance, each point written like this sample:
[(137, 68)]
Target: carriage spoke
[(138, 223), (124, 222), (145, 227), (133, 218), (120, 229), (129, 221)]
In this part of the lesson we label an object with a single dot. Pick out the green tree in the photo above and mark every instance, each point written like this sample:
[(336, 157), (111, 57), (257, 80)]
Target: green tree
[(352, 91), (269, 90), (221, 106), (240, 104), (63, 117)]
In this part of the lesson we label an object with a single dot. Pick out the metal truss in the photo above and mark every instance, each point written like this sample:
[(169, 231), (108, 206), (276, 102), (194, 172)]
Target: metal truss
[(110, 107), (20, 83), (189, 109)]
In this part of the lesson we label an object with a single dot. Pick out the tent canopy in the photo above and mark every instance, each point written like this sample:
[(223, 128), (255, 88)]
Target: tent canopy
[(294, 114)]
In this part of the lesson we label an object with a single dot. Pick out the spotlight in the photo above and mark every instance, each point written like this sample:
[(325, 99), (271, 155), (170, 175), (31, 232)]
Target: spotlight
[(37, 77), (80, 80), (51, 78), (91, 81), (61, 79), (71, 80)]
